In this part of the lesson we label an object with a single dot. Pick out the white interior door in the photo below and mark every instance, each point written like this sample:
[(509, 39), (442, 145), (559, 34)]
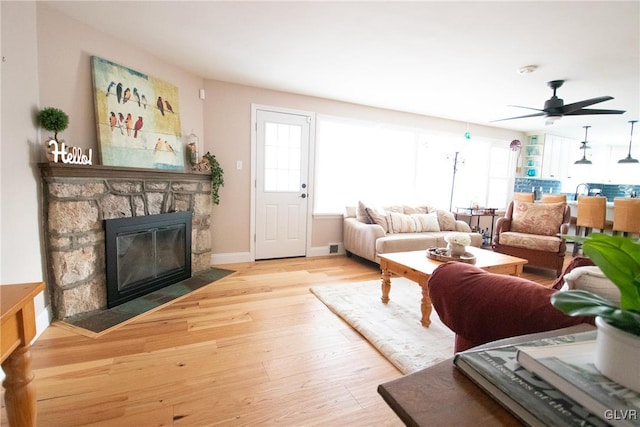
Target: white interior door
[(282, 152)]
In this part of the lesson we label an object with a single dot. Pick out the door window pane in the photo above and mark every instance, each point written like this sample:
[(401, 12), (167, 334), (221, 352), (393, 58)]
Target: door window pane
[(282, 157)]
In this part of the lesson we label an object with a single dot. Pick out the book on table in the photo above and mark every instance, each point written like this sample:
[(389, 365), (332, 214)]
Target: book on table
[(531, 399), (570, 368)]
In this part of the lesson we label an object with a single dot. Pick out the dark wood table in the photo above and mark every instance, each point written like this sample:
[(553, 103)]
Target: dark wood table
[(441, 395)]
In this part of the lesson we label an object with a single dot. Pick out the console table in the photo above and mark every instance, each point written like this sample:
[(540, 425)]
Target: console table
[(478, 213), (18, 329)]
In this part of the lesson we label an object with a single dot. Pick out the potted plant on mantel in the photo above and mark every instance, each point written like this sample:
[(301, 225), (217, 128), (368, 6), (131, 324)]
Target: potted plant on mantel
[(53, 120), (618, 336)]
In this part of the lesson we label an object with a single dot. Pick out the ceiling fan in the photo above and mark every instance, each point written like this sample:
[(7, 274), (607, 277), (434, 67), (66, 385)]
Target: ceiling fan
[(554, 107)]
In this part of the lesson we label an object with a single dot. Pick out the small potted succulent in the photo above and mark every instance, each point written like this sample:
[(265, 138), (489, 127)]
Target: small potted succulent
[(53, 120), (618, 336)]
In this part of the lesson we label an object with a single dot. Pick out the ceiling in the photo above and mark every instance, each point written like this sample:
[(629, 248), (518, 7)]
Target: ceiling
[(449, 59)]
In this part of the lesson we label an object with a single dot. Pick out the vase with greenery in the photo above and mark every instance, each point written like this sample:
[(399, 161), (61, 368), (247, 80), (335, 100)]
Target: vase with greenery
[(217, 177), (53, 120), (618, 338)]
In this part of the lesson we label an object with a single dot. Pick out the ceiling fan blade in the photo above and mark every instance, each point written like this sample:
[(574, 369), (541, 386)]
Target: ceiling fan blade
[(528, 108), (519, 117), (581, 104), (587, 111)]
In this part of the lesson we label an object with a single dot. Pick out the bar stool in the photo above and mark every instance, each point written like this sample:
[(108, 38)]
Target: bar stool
[(554, 198), (592, 213), (626, 216), (525, 197)]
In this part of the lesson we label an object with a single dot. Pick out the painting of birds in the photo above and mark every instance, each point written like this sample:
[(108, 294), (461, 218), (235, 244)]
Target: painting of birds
[(137, 127), (160, 105), (113, 120), (111, 85), (126, 96), (134, 93)]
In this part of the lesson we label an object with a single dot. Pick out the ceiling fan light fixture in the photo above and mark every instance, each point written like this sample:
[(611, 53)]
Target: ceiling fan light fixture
[(630, 159), (552, 119)]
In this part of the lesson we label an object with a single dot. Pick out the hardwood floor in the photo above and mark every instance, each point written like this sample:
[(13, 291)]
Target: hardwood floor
[(255, 348)]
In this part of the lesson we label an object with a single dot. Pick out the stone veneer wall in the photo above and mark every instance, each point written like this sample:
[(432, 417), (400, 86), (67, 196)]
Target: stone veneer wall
[(76, 200)]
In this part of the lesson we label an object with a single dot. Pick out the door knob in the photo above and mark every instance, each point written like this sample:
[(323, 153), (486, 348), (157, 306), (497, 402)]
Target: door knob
[(304, 196)]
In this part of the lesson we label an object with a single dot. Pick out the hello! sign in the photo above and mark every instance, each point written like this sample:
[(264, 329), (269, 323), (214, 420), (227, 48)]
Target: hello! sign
[(69, 155)]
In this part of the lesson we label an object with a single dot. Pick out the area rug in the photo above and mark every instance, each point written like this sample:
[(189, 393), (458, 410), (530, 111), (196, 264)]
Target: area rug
[(99, 322), (393, 328)]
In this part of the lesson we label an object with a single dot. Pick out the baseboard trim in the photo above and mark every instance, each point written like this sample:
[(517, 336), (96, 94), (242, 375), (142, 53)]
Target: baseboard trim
[(237, 257)]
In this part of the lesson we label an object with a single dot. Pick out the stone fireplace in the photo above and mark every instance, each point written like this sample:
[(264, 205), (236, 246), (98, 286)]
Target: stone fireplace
[(77, 200)]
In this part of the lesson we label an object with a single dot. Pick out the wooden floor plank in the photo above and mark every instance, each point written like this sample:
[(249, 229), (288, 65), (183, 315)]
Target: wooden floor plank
[(255, 348)]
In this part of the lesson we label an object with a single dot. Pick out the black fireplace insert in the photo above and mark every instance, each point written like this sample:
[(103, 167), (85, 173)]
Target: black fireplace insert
[(146, 253)]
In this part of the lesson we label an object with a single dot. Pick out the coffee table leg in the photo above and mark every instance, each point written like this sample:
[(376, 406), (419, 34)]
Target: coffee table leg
[(425, 306), (386, 284)]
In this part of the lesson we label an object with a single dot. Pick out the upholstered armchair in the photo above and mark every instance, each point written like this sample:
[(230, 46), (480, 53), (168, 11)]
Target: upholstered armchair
[(531, 231)]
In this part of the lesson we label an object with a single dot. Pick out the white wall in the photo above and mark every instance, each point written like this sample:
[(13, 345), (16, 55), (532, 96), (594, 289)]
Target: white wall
[(20, 247)]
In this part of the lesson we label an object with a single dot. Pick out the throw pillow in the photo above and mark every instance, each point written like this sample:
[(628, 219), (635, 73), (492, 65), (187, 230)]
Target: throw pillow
[(537, 218), (361, 213), (426, 222), (401, 223), (378, 216), (592, 279), (446, 220)]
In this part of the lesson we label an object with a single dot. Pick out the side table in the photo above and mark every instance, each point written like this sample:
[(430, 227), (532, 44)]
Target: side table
[(18, 329), (441, 395)]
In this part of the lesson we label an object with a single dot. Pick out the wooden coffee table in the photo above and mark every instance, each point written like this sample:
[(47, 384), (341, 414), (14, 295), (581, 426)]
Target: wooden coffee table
[(418, 267)]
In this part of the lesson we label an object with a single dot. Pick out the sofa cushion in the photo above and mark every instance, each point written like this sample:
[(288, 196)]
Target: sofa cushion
[(481, 307), (407, 242), (409, 210), (531, 241), (537, 218)]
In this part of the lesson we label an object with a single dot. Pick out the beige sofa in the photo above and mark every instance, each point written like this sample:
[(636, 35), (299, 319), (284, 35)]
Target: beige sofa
[(369, 231)]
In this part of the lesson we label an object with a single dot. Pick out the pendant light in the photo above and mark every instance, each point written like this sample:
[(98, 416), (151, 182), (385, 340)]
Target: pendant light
[(583, 160), (629, 159)]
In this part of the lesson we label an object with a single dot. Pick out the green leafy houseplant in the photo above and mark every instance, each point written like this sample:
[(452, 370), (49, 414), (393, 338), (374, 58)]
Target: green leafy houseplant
[(619, 259), (217, 177), (54, 120)]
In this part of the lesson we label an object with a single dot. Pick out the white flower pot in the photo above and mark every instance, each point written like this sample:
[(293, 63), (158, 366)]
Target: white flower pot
[(618, 355), (456, 250)]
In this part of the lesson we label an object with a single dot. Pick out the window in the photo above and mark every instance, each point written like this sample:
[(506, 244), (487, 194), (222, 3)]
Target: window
[(385, 164)]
